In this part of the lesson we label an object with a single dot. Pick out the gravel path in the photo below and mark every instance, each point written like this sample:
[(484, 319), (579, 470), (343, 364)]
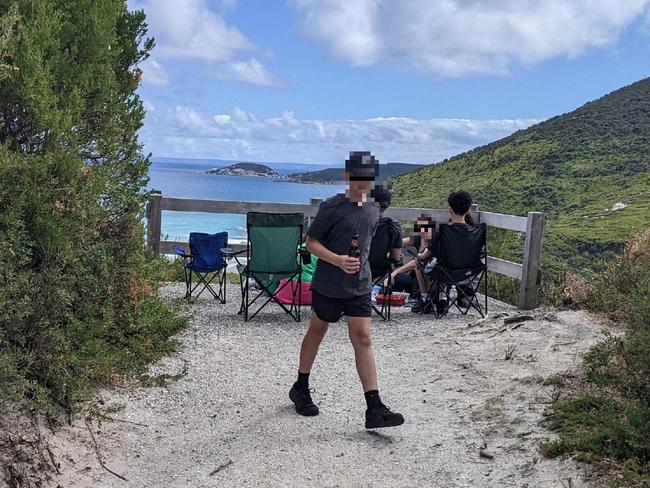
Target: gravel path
[(472, 417)]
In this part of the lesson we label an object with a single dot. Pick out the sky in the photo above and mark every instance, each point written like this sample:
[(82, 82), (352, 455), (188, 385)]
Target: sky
[(413, 81)]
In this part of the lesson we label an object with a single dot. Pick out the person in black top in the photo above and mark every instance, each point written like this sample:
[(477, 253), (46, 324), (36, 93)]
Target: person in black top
[(341, 287), (387, 241), (403, 278), (460, 204)]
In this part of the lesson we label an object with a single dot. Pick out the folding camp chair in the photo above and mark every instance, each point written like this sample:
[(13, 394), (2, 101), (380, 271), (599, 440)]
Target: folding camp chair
[(273, 254), (206, 262), (381, 264), (462, 263)]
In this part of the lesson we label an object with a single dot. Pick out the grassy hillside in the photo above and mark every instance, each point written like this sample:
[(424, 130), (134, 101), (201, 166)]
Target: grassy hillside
[(575, 167), (329, 175)]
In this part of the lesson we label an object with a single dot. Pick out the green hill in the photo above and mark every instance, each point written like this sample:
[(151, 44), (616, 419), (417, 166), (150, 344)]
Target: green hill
[(331, 175), (588, 170)]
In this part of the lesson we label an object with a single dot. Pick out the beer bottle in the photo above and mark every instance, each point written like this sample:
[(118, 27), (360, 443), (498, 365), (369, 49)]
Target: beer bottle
[(354, 247)]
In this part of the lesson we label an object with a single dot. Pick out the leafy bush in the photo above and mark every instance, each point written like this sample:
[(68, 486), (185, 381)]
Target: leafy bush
[(613, 421), (78, 303)]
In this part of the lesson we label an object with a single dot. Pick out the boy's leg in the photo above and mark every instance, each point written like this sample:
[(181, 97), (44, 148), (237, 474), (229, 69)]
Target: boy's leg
[(311, 343), (359, 332), (299, 393), (423, 284), (422, 281), (377, 414)]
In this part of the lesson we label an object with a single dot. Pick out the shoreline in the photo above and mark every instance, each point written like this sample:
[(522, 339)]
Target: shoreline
[(277, 179)]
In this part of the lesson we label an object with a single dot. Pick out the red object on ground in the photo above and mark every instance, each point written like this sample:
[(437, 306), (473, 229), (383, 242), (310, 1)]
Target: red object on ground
[(394, 299), (284, 294)]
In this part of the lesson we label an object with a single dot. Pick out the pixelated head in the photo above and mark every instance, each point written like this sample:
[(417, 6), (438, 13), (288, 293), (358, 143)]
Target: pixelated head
[(382, 196), (361, 166), (361, 169), (424, 225), (460, 202)]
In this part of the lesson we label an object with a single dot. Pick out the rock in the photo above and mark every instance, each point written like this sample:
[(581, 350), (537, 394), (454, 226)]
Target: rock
[(485, 454), (518, 318)]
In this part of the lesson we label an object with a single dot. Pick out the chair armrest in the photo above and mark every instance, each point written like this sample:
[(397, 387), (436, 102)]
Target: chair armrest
[(229, 252), (181, 252), (305, 255)]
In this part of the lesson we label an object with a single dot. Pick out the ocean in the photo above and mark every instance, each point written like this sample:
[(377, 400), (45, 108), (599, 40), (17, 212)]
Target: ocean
[(187, 178)]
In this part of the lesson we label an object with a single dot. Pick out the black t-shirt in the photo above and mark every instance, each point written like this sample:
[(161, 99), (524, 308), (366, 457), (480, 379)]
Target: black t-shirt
[(388, 236), (337, 220), (433, 243)]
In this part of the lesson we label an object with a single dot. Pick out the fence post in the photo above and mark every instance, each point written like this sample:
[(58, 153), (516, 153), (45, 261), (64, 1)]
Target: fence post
[(531, 276), (475, 213), (154, 216), (315, 202)]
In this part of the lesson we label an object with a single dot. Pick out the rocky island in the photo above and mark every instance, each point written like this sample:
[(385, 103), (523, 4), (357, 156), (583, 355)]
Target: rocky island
[(245, 169)]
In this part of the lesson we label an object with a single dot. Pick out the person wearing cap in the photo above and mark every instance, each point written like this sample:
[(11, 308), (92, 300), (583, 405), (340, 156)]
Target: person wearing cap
[(341, 286)]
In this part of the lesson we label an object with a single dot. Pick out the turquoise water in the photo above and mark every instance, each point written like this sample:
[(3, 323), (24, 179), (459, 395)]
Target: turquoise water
[(188, 179)]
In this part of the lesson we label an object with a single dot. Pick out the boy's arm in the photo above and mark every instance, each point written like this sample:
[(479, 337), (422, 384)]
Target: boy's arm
[(410, 266), (424, 255), (346, 263)]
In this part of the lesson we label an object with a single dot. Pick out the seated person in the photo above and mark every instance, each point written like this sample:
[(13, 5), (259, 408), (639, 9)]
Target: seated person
[(460, 204), (403, 278), (387, 242)]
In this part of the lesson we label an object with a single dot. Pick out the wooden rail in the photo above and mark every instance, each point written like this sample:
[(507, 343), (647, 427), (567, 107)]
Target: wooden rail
[(529, 272)]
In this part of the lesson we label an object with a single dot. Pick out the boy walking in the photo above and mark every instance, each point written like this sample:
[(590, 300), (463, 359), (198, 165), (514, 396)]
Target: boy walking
[(341, 286)]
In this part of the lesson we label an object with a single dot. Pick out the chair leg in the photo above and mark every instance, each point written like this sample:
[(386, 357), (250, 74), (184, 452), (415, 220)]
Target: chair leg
[(299, 294), (241, 288), (223, 283), (187, 285), (292, 310), (189, 290), (245, 299)]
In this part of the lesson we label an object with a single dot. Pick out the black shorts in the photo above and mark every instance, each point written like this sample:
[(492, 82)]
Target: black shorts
[(332, 309)]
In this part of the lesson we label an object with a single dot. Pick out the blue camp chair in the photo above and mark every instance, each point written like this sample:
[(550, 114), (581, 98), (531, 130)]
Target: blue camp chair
[(206, 262)]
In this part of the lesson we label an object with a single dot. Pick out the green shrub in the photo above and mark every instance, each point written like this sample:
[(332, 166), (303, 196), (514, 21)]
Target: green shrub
[(78, 304), (611, 425)]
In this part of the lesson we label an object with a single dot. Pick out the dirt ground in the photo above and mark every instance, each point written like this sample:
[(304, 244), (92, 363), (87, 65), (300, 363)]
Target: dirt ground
[(473, 417)]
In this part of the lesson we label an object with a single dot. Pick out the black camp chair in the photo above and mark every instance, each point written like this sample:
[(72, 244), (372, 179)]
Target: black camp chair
[(206, 262), (381, 264), (461, 262), (273, 254)]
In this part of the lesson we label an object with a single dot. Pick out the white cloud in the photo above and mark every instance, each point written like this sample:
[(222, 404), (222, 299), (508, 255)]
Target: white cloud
[(189, 30), (456, 38), (184, 131), (154, 73), (251, 72)]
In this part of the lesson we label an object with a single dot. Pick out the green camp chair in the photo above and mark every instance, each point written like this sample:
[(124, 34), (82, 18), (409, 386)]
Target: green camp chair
[(273, 253)]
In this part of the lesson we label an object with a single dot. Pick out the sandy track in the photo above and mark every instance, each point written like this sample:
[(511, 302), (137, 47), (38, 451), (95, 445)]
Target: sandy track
[(229, 423)]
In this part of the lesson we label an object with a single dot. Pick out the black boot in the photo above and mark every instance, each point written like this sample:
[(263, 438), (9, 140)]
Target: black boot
[(301, 398), (380, 416)]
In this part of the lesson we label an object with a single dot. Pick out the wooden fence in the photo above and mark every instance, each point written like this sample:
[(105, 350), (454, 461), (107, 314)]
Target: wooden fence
[(532, 226)]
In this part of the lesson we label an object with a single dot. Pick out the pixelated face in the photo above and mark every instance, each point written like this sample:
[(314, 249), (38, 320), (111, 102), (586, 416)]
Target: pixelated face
[(361, 185), (424, 227)]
